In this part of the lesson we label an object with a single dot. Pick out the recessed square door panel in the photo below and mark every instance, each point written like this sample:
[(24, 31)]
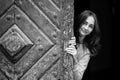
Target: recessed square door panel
[(32, 39)]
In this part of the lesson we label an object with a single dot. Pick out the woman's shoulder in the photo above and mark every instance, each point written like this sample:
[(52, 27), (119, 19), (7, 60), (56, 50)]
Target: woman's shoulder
[(82, 53)]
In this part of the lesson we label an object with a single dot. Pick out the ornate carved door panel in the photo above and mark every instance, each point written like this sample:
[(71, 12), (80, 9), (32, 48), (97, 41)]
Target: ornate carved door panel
[(32, 33)]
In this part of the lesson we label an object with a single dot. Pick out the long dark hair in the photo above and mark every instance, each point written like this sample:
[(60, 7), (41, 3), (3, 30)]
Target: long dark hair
[(92, 40)]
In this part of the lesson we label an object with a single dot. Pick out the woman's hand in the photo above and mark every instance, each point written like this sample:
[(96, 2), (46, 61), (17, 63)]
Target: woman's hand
[(71, 48)]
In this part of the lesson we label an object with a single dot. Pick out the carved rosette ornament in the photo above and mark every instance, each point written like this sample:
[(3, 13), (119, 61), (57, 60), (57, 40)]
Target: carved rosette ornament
[(13, 42)]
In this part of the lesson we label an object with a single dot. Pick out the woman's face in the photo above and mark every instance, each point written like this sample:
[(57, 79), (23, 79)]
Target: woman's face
[(87, 26)]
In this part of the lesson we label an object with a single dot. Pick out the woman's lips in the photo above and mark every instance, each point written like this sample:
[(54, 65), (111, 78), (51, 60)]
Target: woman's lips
[(84, 30)]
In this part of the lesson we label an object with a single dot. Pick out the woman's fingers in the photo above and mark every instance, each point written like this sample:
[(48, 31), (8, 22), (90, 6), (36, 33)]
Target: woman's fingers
[(72, 37), (72, 42), (71, 47), (71, 50)]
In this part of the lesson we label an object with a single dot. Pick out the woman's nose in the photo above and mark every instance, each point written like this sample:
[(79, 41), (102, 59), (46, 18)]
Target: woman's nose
[(86, 27)]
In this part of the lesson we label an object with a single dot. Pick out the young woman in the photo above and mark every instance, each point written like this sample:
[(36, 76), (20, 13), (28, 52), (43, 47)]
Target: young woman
[(85, 43)]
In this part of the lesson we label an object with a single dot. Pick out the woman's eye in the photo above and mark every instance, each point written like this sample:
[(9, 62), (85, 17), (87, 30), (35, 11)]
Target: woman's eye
[(91, 26), (85, 23)]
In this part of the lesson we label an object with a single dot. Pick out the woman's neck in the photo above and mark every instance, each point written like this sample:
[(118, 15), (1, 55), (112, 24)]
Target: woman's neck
[(81, 39)]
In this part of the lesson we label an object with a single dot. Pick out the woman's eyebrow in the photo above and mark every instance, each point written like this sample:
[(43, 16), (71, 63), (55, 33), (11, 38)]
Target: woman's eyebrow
[(85, 22)]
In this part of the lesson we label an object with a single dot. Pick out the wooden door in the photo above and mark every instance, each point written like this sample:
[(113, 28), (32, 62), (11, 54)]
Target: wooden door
[(32, 37)]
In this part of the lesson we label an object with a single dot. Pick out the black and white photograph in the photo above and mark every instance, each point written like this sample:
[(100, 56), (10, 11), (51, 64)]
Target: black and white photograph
[(56, 39)]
